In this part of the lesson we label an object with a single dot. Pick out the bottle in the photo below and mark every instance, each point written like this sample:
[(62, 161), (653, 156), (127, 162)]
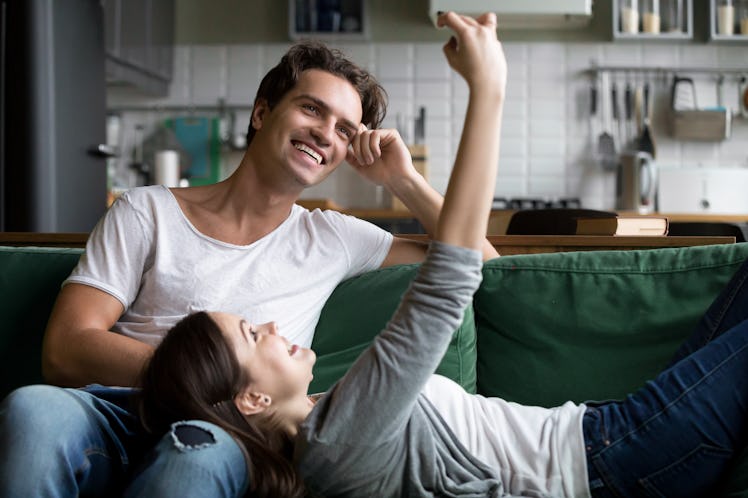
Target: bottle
[(725, 17), (629, 16), (651, 16)]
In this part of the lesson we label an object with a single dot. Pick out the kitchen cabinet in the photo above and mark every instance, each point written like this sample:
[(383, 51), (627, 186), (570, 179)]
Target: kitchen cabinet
[(330, 20), (139, 37), (652, 20), (728, 21)]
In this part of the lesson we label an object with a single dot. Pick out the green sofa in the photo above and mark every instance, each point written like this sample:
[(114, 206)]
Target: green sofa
[(543, 328)]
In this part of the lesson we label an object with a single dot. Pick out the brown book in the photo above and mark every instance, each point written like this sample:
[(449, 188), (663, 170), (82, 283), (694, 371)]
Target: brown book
[(623, 225)]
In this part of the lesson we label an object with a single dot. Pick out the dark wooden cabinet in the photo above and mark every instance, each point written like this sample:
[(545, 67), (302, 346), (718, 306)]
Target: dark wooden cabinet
[(139, 38)]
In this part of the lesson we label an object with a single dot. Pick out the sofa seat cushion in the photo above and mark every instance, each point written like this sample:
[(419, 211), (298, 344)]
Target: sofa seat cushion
[(591, 325), (359, 309)]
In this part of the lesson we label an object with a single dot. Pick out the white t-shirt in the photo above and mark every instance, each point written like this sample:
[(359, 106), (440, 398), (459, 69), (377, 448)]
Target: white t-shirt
[(533, 448), (147, 254)]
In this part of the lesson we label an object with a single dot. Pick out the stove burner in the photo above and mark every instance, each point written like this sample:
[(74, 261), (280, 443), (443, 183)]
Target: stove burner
[(536, 203)]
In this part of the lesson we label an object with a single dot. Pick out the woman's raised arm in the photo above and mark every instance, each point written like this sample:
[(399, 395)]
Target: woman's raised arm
[(476, 54)]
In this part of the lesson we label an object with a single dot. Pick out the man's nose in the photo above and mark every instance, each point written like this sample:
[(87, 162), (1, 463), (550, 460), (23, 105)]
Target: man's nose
[(323, 132)]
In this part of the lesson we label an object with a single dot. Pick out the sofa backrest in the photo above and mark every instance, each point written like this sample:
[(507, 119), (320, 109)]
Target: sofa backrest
[(30, 278), (359, 309), (591, 325)]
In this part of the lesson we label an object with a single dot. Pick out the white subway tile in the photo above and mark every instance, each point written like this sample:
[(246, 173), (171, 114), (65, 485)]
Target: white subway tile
[(546, 186), (430, 63), (510, 186), (395, 61), (362, 54), (208, 74), (244, 73), (180, 88), (543, 147), (433, 89), (272, 54)]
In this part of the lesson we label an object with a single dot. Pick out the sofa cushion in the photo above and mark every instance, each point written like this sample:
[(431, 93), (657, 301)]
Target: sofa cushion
[(358, 310), (591, 325), (30, 279)]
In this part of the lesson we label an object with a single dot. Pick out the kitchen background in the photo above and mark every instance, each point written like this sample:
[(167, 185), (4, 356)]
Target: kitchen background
[(548, 140)]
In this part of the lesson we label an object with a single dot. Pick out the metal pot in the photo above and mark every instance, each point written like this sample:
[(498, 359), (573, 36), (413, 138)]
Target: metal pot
[(636, 182)]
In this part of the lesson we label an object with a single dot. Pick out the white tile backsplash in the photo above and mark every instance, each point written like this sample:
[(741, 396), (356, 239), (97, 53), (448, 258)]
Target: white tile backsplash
[(548, 139), (209, 71)]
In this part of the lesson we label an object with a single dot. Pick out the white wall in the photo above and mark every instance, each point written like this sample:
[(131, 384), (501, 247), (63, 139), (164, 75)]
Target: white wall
[(547, 140)]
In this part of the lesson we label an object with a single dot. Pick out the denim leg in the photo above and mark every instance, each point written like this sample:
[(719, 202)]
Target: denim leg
[(677, 435), (57, 442), (726, 311), (195, 460)]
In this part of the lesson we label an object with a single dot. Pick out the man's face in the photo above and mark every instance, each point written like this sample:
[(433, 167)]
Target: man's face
[(310, 129)]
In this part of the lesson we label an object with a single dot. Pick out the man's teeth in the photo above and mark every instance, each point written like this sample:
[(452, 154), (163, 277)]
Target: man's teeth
[(311, 152)]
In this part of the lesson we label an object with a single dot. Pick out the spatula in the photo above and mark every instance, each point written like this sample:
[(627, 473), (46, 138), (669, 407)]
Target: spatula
[(646, 141), (606, 145)]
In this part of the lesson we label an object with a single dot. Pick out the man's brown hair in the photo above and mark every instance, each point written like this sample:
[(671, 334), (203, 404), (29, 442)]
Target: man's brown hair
[(315, 55)]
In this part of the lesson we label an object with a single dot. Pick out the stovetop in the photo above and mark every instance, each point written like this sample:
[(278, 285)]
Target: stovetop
[(536, 203)]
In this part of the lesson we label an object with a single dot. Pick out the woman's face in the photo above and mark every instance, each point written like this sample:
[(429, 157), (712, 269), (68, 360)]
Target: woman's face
[(274, 366)]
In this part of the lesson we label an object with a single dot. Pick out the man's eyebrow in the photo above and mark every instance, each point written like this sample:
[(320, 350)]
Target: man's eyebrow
[(322, 104)]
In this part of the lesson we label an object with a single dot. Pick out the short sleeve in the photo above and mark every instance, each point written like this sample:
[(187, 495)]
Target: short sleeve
[(366, 244), (117, 253)]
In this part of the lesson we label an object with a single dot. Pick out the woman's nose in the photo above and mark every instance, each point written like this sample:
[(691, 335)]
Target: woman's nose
[(269, 328)]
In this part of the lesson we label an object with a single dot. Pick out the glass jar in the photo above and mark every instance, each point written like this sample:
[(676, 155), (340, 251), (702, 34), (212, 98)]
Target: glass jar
[(742, 14), (651, 16), (673, 15), (725, 17), (629, 16)]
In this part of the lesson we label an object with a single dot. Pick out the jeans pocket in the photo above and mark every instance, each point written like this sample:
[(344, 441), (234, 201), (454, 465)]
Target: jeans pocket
[(695, 474)]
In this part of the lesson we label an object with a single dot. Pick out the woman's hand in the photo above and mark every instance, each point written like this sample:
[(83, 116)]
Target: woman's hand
[(475, 52)]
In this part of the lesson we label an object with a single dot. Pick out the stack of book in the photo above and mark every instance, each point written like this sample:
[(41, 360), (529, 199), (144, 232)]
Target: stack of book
[(623, 225)]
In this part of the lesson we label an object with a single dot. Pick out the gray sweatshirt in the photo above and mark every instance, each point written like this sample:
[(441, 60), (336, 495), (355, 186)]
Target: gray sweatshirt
[(374, 434)]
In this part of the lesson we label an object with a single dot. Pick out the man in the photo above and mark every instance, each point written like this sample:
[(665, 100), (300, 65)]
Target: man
[(241, 244)]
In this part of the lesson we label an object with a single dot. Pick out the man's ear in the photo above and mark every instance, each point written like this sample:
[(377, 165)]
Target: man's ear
[(252, 402), (260, 110)]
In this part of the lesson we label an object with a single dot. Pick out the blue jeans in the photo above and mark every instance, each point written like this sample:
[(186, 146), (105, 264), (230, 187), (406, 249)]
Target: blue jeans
[(677, 435), (57, 442)]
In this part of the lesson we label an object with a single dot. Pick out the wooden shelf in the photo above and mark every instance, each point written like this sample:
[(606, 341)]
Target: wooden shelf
[(536, 244)]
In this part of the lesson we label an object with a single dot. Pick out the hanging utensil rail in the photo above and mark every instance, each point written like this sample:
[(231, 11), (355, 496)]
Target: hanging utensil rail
[(664, 71)]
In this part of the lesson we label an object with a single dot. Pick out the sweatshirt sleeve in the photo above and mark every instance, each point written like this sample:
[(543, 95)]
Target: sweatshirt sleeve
[(383, 384)]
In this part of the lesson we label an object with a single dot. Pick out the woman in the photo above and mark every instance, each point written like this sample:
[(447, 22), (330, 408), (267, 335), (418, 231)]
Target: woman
[(390, 427)]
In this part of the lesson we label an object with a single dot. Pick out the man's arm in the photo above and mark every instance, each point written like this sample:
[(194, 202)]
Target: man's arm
[(79, 348)]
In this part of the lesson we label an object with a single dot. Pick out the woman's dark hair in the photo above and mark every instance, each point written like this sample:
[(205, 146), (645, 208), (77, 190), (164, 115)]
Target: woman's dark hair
[(194, 374), (315, 55)]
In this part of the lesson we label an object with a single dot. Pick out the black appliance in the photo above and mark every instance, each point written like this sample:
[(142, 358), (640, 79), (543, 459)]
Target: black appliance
[(52, 115)]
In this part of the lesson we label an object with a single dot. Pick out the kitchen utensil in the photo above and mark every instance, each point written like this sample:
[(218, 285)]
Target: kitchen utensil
[(419, 130), (606, 147), (593, 114), (635, 186), (646, 140), (628, 104), (683, 94), (616, 114)]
